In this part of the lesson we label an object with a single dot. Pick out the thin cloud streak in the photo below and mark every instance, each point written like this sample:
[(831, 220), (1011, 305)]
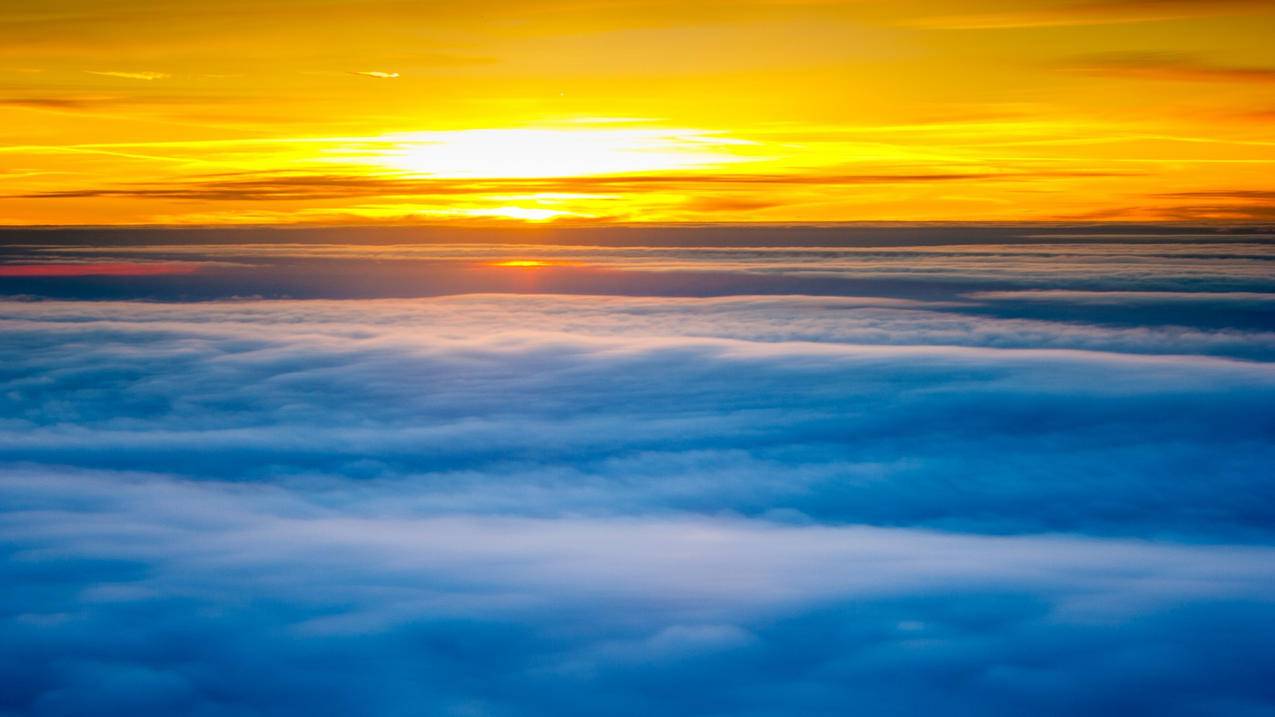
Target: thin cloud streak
[(146, 76), (1172, 67), (335, 186), (1101, 12)]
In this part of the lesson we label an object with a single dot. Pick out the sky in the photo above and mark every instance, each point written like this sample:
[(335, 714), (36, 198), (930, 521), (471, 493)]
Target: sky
[(696, 471), (564, 358), (635, 111)]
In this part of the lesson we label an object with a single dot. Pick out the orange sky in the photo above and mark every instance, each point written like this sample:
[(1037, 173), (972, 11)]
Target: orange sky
[(344, 111)]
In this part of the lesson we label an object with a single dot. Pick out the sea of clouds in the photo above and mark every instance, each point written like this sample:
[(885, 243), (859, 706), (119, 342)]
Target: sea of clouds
[(590, 505), (1032, 479)]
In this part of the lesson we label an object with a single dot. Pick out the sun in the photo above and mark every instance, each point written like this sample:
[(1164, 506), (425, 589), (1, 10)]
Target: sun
[(522, 263), (526, 214), (532, 153), (537, 175)]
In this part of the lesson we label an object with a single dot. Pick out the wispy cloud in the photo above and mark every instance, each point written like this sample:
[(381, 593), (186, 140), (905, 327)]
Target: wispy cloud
[(327, 186), (1220, 205), (130, 75), (1170, 66), (48, 103), (1101, 12), (1254, 195), (378, 74)]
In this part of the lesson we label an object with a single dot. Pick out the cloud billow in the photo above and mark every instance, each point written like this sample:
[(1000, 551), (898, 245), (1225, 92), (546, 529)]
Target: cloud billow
[(579, 505)]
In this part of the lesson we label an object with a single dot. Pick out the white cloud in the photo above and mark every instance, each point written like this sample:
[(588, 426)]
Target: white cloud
[(517, 505)]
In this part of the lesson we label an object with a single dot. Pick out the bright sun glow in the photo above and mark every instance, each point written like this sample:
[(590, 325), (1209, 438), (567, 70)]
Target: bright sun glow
[(526, 214), (521, 263), (528, 153)]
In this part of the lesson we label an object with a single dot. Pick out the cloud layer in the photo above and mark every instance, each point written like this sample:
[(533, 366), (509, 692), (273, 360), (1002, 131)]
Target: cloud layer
[(510, 505)]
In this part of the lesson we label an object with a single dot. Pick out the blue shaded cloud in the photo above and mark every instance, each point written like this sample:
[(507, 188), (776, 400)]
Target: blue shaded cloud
[(634, 405), (496, 505), (235, 599)]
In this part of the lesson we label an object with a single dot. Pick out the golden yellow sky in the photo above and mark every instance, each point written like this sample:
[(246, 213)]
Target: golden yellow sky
[(337, 111)]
